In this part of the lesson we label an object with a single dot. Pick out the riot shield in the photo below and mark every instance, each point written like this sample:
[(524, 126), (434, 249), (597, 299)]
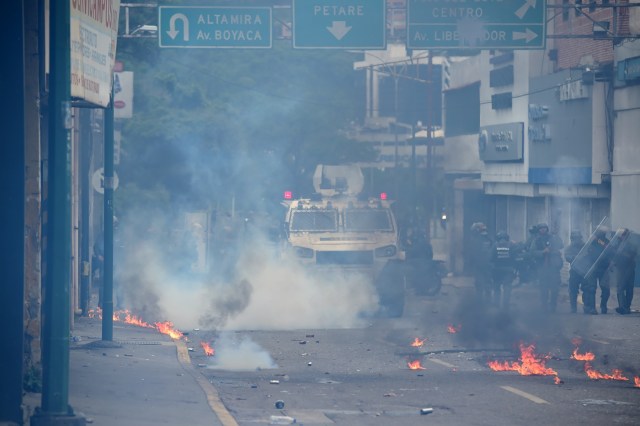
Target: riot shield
[(616, 244), (591, 250)]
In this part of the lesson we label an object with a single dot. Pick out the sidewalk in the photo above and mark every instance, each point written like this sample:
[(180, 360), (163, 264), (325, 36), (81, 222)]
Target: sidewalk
[(141, 378)]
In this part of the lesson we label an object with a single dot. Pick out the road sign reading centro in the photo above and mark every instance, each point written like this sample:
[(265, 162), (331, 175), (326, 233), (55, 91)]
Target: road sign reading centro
[(487, 24), (214, 27), (339, 24)]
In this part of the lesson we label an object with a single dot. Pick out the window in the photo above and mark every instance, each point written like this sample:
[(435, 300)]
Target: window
[(577, 8), (314, 220), (367, 220), (462, 110), (565, 10)]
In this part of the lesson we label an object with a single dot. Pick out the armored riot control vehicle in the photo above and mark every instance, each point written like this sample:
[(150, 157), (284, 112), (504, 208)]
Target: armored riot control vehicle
[(339, 228)]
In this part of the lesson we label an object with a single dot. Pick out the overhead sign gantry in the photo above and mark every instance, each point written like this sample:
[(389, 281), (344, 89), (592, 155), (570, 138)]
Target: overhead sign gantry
[(339, 24), (496, 24), (214, 27)]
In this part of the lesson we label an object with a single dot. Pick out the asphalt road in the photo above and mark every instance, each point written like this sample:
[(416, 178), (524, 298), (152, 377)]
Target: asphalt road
[(361, 376)]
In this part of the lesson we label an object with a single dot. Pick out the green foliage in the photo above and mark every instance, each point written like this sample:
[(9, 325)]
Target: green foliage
[(211, 123)]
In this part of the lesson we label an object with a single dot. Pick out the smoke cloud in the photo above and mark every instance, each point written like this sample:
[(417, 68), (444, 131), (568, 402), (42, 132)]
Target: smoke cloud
[(239, 353), (248, 286)]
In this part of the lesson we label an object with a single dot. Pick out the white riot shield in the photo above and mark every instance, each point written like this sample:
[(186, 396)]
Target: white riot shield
[(615, 245), (591, 250)]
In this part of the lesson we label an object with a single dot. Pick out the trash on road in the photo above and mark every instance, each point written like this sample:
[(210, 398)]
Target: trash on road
[(281, 420), (424, 411), (279, 404)]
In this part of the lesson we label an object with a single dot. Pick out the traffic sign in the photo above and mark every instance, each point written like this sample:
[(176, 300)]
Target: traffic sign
[(97, 180), (339, 24), (214, 27), (446, 24)]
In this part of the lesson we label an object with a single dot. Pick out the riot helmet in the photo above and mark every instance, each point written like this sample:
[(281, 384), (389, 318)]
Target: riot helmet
[(542, 226), (502, 236)]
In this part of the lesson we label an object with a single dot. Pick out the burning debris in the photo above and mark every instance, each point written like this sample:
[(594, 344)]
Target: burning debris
[(417, 343), (587, 356), (530, 364), (593, 374), (636, 381), (453, 329), (166, 327), (208, 350), (616, 374), (415, 365), (127, 317)]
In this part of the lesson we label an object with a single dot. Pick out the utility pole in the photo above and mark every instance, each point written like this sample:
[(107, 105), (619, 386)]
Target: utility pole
[(12, 191), (55, 407), (86, 144), (107, 280), (430, 192)]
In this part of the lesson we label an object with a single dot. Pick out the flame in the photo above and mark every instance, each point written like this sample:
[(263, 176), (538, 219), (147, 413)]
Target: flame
[(126, 316), (167, 328), (530, 364), (208, 350), (452, 329), (636, 381), (593, 374), (415, 365), (557, 380), (417, 343), (587, 356), (130, 318)]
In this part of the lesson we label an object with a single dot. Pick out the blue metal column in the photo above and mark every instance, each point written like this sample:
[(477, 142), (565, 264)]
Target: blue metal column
[(12, 189)]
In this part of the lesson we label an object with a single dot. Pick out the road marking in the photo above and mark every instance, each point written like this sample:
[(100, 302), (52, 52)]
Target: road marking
[(211, 393), (599, 341), (524, 394), (438, 361)]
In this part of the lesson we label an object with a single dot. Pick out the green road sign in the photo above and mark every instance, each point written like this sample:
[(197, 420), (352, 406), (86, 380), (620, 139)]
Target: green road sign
[(487, 24), (339, 24), (214, 27)]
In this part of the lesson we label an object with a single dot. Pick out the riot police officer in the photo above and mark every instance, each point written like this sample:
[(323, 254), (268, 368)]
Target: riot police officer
[(624, 264), (575, 279), (481, 261), (545, 250), (599, 266), (503, 269)]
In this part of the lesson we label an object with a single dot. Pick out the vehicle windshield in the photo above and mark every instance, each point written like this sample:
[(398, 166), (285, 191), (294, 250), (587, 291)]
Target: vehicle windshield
[(367, 220), (314, 220)]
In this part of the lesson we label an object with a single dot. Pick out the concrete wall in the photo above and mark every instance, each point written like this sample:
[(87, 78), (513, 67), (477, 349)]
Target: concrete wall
[(625, 179), (518, 113)]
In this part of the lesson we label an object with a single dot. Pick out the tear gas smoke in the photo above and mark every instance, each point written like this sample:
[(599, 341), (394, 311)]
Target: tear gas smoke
[(249, 286), (239, 353)]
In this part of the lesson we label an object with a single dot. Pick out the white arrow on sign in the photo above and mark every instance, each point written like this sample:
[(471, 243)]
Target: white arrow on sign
[(525, 8), (98, 180), (528, 35), (172, 26), (339, 29)]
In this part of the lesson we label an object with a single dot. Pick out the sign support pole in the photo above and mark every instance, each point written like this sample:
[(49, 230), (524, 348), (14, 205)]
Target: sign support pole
[(57, 312), (107, 280)]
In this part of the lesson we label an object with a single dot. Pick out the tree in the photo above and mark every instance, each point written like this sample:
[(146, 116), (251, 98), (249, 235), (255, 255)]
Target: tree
[(212, 123)]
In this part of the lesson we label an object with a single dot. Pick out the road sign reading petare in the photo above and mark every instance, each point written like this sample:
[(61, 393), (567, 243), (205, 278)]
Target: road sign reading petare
[(483, 24), (214, 27), (339, 24)]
